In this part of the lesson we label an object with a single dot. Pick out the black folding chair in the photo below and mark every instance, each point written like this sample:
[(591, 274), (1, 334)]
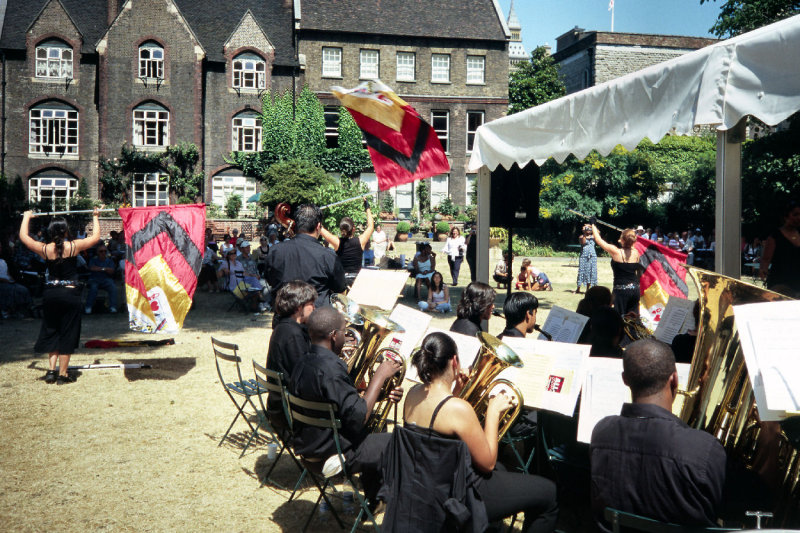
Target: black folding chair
[(272, 381), (621, 521), (239, 390), (323, 415)]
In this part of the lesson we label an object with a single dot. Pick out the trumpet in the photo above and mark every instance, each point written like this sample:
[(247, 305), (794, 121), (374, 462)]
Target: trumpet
[(493, 358)]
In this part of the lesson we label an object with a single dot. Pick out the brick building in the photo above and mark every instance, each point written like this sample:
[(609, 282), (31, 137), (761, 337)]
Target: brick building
[(588, 58), (80, 78)]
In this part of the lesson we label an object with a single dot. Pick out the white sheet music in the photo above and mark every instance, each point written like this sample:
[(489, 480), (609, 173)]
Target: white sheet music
[(552, 374), (676, 318), (770, 336), (378, 288), (563, 325), (415, 323)]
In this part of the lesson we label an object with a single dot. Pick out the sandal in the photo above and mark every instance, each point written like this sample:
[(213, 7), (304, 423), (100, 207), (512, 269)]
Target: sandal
[(50, 377)]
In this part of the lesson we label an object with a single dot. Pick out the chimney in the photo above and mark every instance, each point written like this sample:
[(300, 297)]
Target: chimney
[(113, 9)]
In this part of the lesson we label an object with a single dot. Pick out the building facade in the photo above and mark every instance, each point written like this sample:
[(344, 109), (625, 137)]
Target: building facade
[(83, 78), (588, 58)]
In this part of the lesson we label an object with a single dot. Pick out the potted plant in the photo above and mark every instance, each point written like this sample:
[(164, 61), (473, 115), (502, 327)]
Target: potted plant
[(403, 227), (426, 228), (442, 230), (496, 235)]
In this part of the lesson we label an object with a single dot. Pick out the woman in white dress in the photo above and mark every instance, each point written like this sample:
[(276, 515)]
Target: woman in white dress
[(379, 243)]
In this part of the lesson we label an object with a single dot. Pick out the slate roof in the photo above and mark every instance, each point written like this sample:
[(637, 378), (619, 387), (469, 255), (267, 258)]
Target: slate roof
[(212, 21), (457, 19)]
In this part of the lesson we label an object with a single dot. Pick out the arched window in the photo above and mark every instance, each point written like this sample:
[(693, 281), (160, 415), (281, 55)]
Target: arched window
[(53, 129), (150, 125), (53, 59), (246, 129), (54, 187), (249, 71), (151, 60)]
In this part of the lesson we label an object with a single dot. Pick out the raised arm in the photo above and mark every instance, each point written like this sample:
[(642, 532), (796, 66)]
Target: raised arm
[(94, 238), (332, 239), (32, 244), (612, 250), (364, 237)]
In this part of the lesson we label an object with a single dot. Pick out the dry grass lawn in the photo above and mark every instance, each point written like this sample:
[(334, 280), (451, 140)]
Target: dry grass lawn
[(136, 450)]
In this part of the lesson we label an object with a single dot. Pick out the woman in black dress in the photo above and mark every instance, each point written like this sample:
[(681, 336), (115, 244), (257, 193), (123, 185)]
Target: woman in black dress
[(626, 268), (348, 247), (61, 327), (780, 261)]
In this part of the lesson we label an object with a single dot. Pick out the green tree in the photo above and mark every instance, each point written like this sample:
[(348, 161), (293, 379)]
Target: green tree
[(740, 16), (424, 197), (180, 162), (335, 191), (296, 182), (233, 205), (534, 82)]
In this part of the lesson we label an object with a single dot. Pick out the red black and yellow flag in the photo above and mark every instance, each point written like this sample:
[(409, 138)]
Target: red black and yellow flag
[(165, 247), (662, 277), (402, 146)]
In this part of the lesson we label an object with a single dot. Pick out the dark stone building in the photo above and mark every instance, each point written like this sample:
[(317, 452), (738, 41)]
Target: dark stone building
[(81, 78)]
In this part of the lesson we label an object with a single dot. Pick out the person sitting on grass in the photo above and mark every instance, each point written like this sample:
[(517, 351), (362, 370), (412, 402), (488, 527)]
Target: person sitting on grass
[(532, 279), (424, 265), (438, 296)]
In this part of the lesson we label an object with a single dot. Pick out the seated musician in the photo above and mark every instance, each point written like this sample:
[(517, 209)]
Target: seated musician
[(646, 460), (322, 376), (607, 330), (476, 305), (289, 341), (432, 406), (520, 312)]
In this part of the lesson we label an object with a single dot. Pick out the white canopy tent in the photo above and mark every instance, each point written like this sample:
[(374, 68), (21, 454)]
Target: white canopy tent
[(756, 74)]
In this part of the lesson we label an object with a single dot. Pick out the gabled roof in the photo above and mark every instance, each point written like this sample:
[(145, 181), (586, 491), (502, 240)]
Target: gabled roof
[(452, 19), (212, 21)]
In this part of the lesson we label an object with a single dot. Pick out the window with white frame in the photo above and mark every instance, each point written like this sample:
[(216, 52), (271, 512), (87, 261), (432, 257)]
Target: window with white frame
[(151, 61), (405, 66), (246, 130), (52, 187), (226, 185), (150, 125), (404, 198), (440, 68), (53, 130), (439, 189), (472, 179), (370, 179), (150, 188), (369, 61), (331, 62), (249, 72), (53, 60), (331, 126), (476, 65), (440, 120), (474, 121)]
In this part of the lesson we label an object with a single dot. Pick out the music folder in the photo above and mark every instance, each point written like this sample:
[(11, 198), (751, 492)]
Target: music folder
[(378, 288), (564, 325)]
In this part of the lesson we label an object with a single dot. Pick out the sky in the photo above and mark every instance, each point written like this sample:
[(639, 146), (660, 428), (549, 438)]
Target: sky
[(544, 20)]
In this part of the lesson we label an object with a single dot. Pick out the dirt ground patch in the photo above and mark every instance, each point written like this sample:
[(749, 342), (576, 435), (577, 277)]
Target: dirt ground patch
[(137, 450)]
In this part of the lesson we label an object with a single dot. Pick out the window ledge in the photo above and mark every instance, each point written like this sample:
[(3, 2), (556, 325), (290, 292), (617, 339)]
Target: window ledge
[(476, 84), (151, 81), (245, 90), (406, 81), (58, 157), (332, 77), (146, 148), (442, 82), (54, 81)]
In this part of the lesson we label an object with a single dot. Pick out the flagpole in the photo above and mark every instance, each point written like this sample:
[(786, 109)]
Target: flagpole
[(346, 200), (80, 211), (596, 220), (611, 8)]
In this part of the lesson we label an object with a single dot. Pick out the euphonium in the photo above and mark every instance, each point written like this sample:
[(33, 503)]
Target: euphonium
[(493, 358), (635, 329), (352, 313), (719, 398)]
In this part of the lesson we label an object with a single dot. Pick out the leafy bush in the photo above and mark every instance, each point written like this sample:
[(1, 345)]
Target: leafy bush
[(442, 227), (233, 205), (447, 207), (296, 182), (213, 211), (387, 203), (498, 233), (403, 226), (334, 191)]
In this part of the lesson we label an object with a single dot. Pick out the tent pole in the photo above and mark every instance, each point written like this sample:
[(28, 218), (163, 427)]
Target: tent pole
[(484, 203), (508, 266), (728, 219)]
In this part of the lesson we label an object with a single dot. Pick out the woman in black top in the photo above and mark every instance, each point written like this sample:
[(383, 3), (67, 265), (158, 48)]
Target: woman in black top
[(476, 305), (431, 406), (348, 247), (626, 268), (61, 327), (780, 262)]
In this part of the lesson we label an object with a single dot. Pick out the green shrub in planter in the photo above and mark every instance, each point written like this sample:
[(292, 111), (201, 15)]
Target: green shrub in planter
[(442, 227), (403, 226)]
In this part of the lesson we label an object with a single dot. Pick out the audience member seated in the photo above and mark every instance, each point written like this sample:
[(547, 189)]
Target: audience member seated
[(208, 271), (433, 408), (595, 298), (321, 376), (101, 276), (683, 344), (424, 265), (476, 305), (210, 242), (438, 296), (228, 268), (260, 255), (607, 331), (15, 299), (646, 460), (502, 271), (117, 249)]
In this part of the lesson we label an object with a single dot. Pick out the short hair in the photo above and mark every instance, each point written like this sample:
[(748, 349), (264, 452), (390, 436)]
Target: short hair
[(517, 306), (307, 218), (647, 365), (627, 238), (595, 298), (432, 356), (477, 297), (322, 321), (292, 296)]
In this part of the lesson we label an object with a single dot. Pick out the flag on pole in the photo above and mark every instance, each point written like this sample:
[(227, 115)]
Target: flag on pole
[(402, 146), (165, 248), (610, 5), (662, 277)]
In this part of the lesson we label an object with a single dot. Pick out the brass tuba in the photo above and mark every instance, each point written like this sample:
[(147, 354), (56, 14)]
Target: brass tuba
[(352, 313), (719, 398), (493, 358)]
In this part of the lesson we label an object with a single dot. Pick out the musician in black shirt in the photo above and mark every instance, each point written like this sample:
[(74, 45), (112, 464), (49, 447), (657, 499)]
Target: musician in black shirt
[(304, 258), (520, 312), (322, 376), (476, 305)]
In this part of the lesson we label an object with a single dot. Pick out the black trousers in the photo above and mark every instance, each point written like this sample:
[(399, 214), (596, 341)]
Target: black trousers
[(626, 300), (455, 267), (507, 493), (366, 459)]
